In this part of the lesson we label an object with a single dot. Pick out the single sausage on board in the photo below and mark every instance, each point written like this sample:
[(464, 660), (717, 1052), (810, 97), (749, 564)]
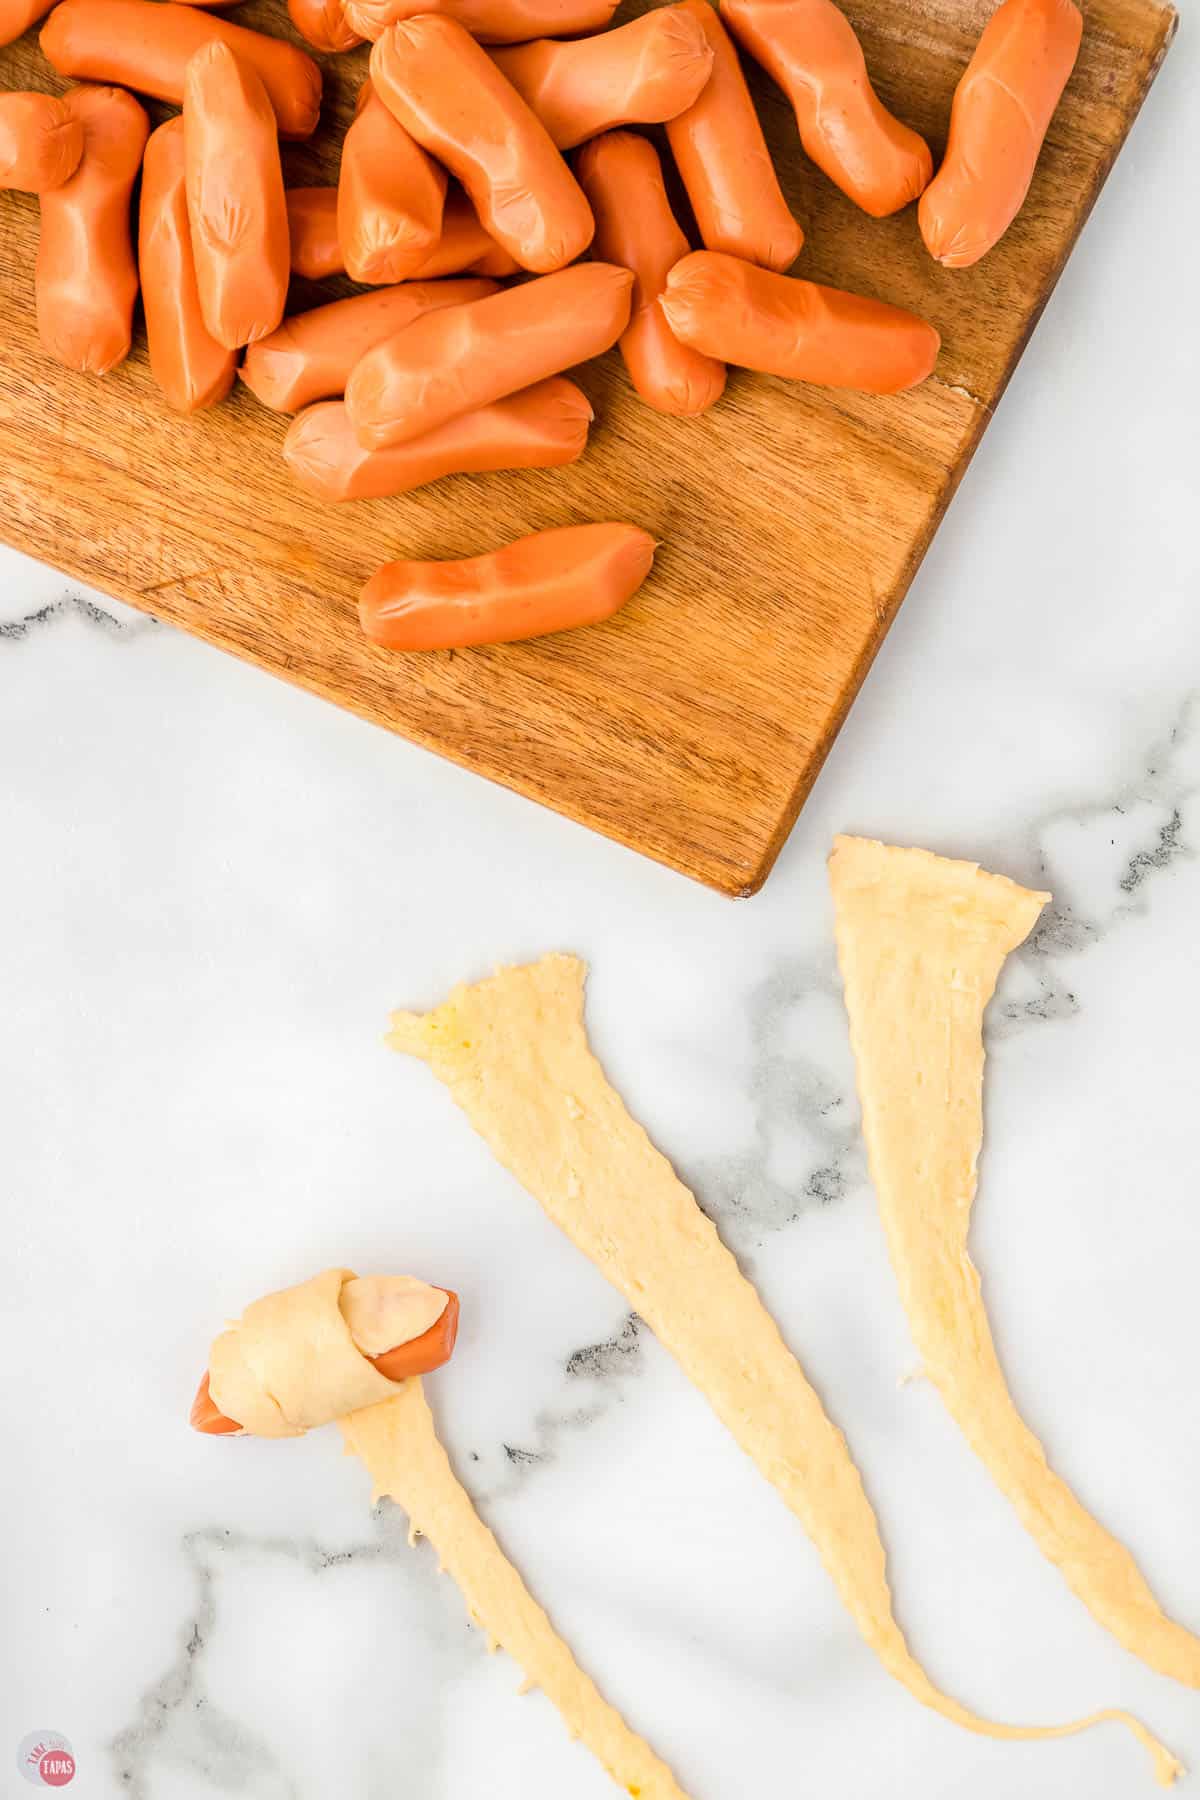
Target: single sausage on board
[(542, 427), (722, 157), (86, 279), (312, 353), (451, 362), (323, 24), (146, 45), (490, 21), (551, 581), (446, 90), (622, 177), (760, 320), (810, 48), (391, 196), (186, 361), (237, 207), (41, 142), (640, 74), (998, 121), (312, 232)]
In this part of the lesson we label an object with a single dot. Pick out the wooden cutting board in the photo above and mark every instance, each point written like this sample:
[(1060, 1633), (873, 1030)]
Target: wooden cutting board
[(791, 518)]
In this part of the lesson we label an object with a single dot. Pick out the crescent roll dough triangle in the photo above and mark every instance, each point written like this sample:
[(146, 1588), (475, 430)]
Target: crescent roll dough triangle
[(921, 942), (405, 1460), (514, 1054)]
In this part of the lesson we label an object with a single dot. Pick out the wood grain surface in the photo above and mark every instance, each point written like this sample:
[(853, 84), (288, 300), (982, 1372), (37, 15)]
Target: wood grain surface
[(791, 518)]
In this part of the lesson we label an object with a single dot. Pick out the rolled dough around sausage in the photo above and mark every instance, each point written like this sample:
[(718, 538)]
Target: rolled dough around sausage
[(291, 1362)]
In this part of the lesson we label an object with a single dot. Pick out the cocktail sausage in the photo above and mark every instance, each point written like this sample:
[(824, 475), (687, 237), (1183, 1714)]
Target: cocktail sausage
[(810, 48), (146, 45), (642, 73), (236, 202), (760, 320), (391, 196), (189, 365), (998, 122), (312, 353), (552, 581), (451, 362), (722, 155), (86, 277), (622, 177), (448, 93), (541, 428)]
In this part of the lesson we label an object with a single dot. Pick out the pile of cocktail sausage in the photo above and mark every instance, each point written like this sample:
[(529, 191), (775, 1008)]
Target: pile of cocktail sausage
[(488, 154)]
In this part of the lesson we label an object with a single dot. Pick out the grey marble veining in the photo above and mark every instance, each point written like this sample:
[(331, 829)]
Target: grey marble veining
[(178, 1725), (594, 1379), (29, 626)]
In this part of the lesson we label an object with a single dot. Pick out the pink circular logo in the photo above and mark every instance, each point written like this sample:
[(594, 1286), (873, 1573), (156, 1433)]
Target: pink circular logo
[(57, 1767), (46, 1759)]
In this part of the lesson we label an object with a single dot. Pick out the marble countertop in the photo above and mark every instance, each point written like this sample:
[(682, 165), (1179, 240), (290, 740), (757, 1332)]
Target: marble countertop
[(214, 888)]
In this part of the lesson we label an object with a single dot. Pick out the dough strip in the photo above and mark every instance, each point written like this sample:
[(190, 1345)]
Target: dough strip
[(921, 941), (397, 1443)]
